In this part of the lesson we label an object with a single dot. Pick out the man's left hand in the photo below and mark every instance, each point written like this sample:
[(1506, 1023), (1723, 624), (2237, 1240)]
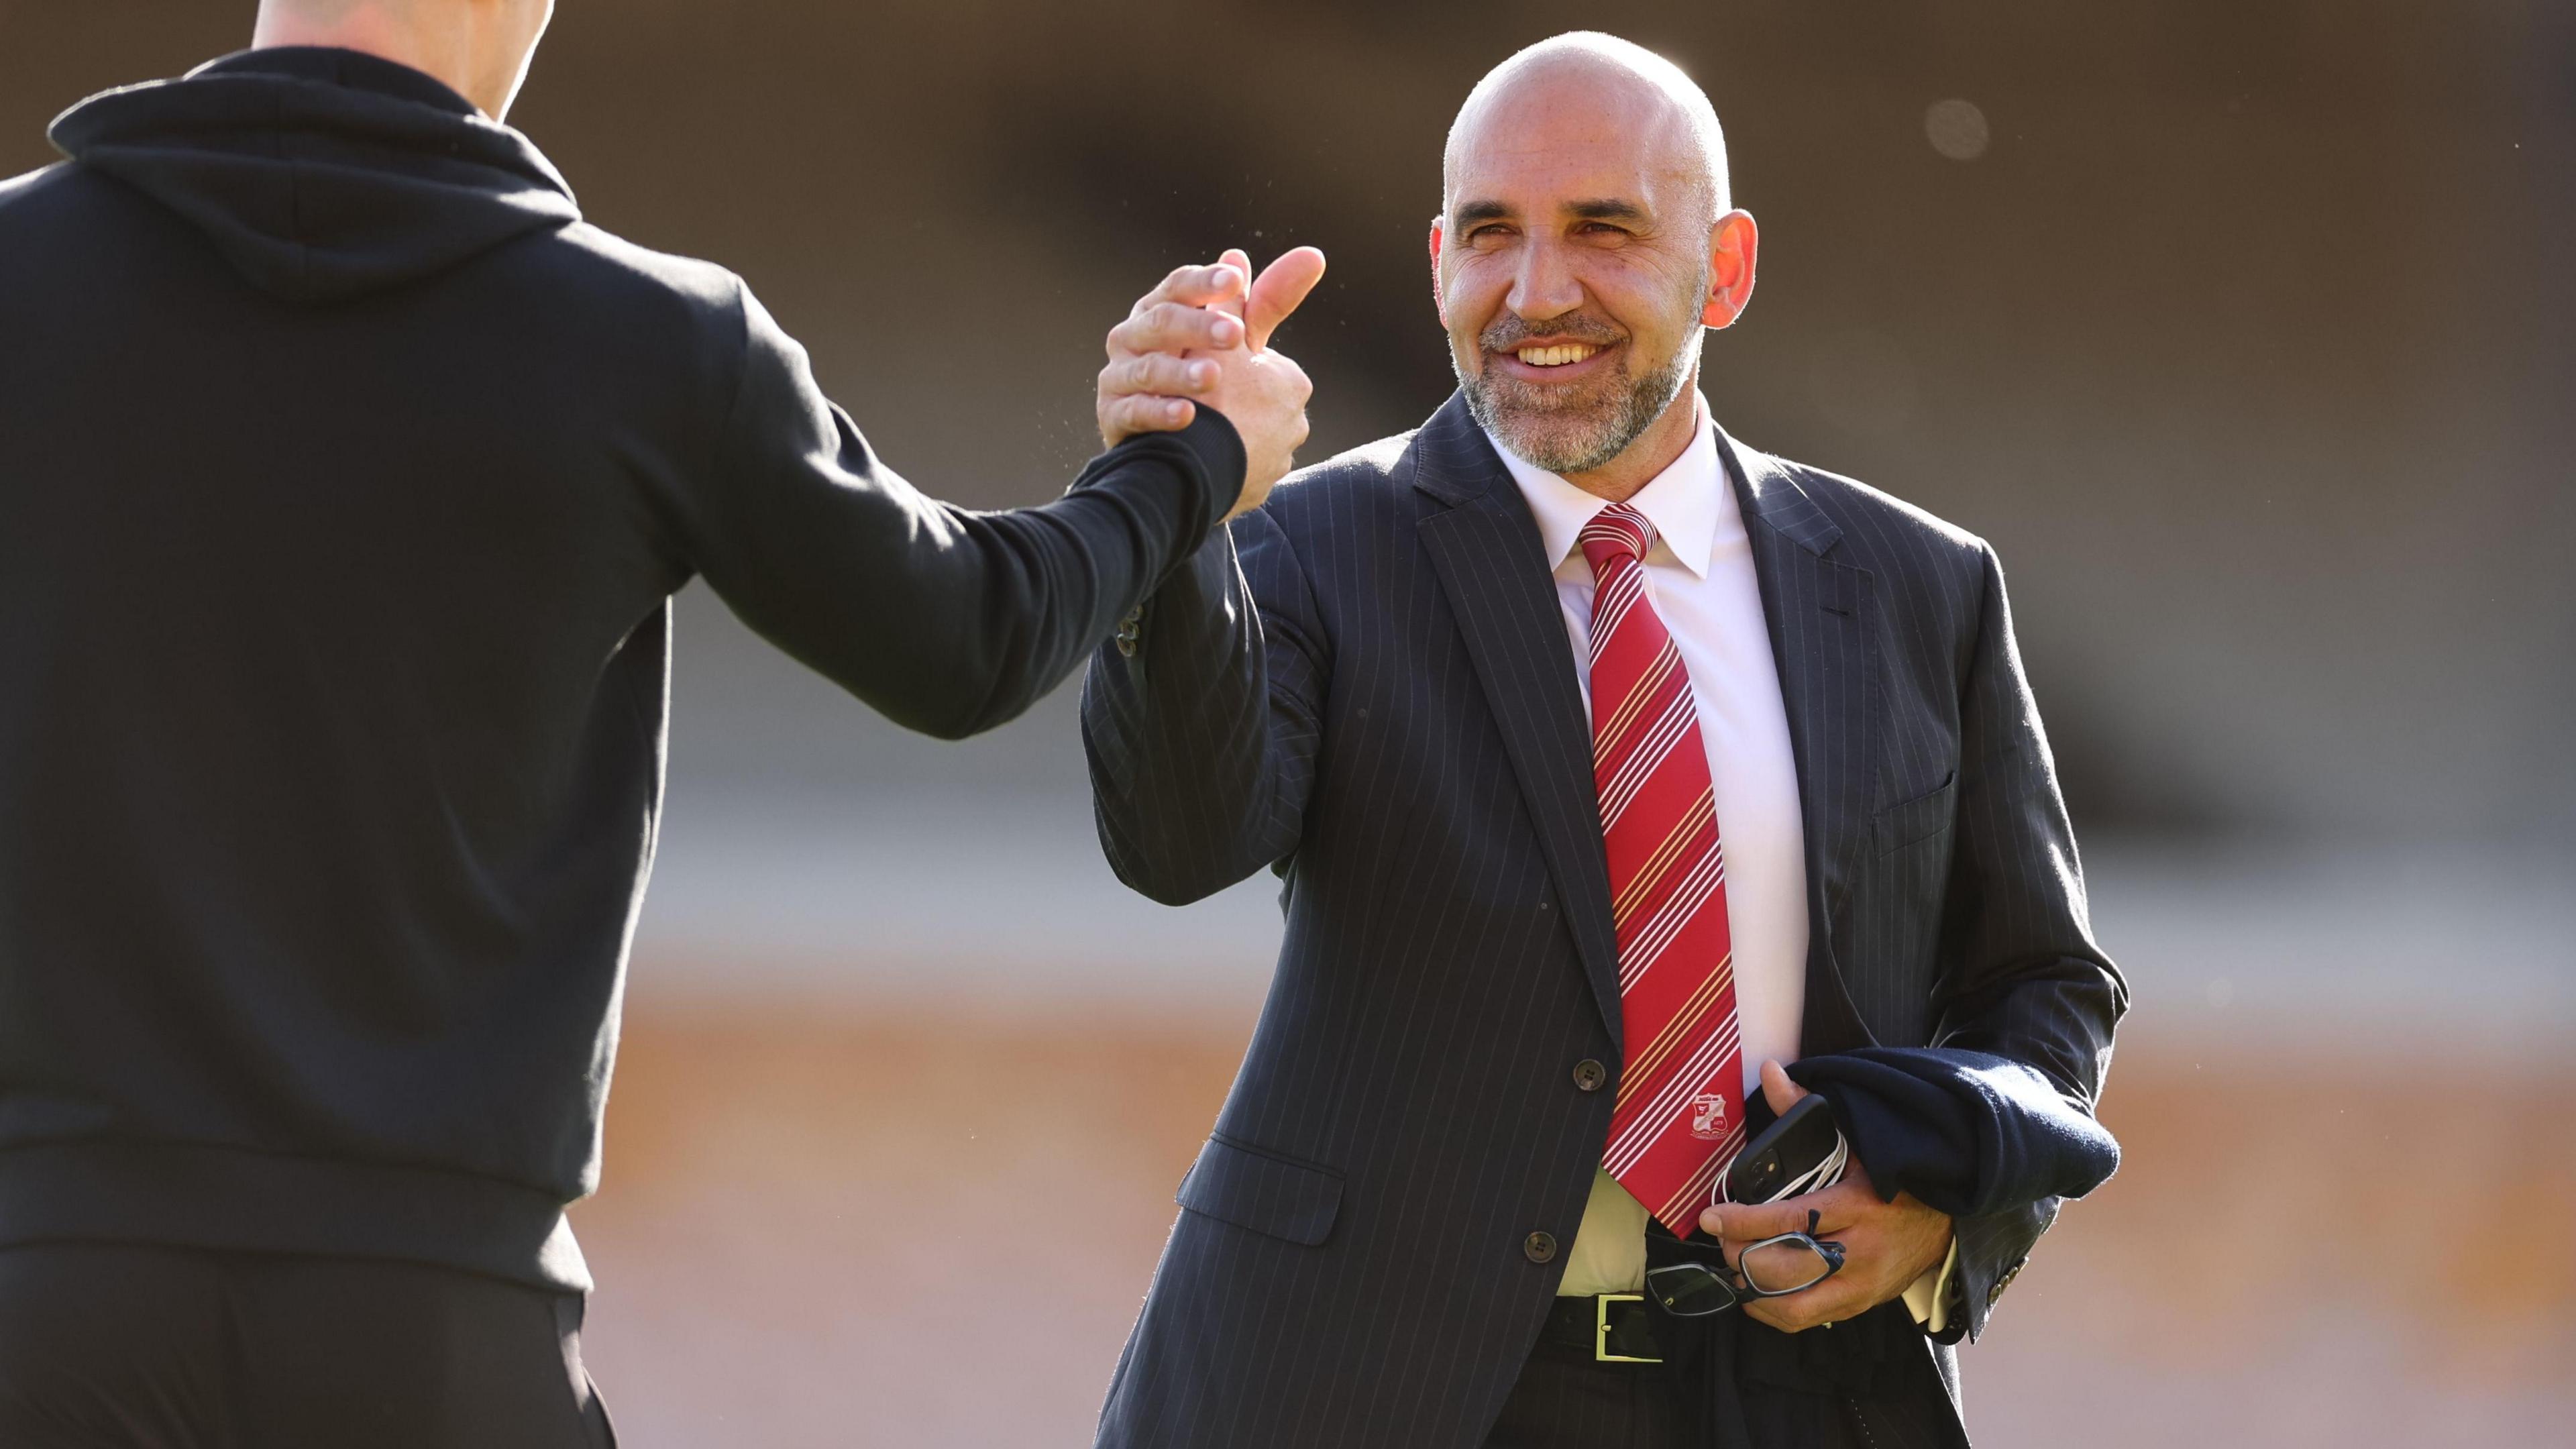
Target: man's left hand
[(1886, 1245)]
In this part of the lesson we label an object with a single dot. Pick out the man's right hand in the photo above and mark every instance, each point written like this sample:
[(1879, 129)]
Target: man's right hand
[(1202, 338)]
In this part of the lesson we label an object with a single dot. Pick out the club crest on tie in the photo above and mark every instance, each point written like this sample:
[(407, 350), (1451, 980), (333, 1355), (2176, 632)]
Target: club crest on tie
[(1708, 1116)]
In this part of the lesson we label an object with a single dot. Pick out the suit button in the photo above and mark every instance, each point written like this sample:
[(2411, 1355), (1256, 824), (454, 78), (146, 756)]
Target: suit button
[(1589, 1075), (1996, 1293), (1538, 1247)]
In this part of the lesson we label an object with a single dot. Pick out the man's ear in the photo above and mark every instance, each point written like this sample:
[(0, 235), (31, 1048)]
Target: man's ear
[(1439, 303), (1731, 245)]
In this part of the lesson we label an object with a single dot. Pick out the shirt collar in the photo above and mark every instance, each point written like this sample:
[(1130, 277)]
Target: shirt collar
[(1682, 502)]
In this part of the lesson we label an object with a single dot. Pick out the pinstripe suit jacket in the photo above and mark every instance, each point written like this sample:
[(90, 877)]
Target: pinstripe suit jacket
[(1368, 687)]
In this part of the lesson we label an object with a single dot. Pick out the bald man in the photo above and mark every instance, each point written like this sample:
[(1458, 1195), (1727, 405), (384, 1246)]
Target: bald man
[(1622, 779), (346, 476)]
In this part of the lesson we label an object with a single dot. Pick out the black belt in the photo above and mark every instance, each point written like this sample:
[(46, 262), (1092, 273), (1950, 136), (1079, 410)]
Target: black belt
[(1609, 1327)]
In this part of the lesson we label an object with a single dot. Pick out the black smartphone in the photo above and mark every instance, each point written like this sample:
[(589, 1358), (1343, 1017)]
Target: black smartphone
[(1789, 1149)]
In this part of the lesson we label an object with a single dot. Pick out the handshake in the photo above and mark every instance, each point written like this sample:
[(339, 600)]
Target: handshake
[(1202, 339)]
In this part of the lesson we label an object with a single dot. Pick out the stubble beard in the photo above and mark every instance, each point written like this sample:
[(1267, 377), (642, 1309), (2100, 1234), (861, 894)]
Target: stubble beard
[(1572, 430)]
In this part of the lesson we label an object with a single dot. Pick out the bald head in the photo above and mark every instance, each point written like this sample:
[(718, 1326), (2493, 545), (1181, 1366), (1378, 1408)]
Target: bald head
[(1585, 239), (1640, 102)]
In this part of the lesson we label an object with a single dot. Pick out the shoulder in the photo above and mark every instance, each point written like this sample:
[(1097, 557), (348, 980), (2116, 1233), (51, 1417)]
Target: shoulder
[(1879, 531), (683, 322), (15, 189), (603, 269), (40, 202), (1367, 478)]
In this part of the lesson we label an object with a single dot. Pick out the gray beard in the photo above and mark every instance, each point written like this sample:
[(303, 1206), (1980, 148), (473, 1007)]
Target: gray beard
[(1562, 441)]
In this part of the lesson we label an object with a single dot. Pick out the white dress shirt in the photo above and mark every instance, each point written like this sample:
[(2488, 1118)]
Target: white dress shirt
[(1700, 579)]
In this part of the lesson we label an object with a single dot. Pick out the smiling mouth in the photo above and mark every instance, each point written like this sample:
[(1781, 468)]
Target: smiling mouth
[(1561, 355)]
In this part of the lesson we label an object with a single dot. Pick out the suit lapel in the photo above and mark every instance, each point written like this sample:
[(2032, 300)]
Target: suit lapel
[(1822, 617), (1485, 548)]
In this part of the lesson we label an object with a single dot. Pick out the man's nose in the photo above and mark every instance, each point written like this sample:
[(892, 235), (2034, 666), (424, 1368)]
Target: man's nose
[(1545, 285)]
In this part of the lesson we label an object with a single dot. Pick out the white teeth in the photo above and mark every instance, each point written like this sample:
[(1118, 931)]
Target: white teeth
[(1557, 356)]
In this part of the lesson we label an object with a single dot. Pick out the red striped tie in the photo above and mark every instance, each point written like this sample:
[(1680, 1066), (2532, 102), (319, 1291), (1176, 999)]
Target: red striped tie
[(1680, 1114)]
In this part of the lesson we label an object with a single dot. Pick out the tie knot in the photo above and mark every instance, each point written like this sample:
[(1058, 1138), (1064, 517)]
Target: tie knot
[(1617, 531)]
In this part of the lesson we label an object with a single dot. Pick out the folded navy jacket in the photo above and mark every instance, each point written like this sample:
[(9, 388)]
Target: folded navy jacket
[(1967, 1132)]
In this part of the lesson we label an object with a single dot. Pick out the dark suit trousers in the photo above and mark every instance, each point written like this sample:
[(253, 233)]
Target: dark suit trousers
[(118, 1347), (1565, 1400)]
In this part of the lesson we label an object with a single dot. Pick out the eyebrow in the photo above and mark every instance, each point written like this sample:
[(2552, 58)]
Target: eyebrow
[(1607, 208), (1599, 208)]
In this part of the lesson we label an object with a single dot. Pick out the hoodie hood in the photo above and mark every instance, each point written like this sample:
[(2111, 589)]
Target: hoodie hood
[(322, 175)]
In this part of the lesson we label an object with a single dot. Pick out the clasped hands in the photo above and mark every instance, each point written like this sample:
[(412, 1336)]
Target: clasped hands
[(1886, 1245), (1202, 339)]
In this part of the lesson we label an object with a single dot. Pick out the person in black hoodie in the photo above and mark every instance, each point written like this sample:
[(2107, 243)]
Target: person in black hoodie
[(346, 475)]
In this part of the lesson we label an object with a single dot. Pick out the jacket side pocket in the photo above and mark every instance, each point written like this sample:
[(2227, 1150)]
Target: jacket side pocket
[(1253, 1189)]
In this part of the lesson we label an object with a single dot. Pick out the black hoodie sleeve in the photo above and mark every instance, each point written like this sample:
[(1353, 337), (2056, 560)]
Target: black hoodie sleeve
[(946, 620)]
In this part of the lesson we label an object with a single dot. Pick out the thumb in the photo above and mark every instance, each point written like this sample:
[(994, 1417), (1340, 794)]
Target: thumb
[(1777, 1089), (1278, 290)]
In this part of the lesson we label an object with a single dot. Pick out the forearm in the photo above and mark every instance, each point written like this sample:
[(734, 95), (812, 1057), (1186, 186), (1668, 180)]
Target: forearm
[(946, 620), (1024, 597), (1189, 795), (2022, 977), (1992, 1249), (2058, 1022)]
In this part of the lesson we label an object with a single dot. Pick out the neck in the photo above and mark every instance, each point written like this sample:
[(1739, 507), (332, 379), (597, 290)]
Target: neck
[(459, 45), (1665, 439)]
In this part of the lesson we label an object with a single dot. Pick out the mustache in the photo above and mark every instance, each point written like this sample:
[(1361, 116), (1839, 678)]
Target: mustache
[(1508, 333)]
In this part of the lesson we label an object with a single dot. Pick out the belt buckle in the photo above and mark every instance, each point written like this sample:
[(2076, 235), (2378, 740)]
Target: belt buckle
[(1601, 1328)]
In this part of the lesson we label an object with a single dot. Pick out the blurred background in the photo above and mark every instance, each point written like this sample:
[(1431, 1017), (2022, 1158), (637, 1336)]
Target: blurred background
[(2245, 329)]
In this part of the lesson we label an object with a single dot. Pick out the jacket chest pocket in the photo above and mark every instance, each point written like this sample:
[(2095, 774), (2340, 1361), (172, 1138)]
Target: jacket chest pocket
[(1893, 930), (1915, 820)]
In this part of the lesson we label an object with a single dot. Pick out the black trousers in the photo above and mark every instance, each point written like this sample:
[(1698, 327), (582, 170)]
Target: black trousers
[(1565, 1400), (116, 1347)]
